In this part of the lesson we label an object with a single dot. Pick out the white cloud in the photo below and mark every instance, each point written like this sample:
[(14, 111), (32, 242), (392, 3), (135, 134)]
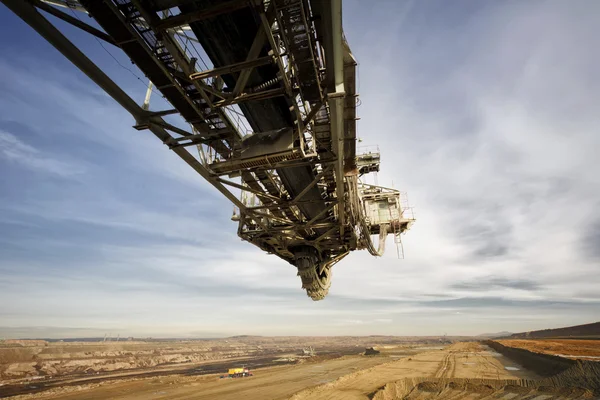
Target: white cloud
[(16, 151), (350, 322), (495, 145)]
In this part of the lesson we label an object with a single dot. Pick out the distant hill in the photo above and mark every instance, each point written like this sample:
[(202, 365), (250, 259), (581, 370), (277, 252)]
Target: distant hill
[(244, 336), (592, 329), (495, 335)]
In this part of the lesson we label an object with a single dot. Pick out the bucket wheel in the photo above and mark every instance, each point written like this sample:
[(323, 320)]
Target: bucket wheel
[(316, 278)]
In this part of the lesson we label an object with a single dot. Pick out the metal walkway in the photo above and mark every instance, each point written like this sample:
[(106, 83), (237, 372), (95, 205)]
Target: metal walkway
[(268, 90)]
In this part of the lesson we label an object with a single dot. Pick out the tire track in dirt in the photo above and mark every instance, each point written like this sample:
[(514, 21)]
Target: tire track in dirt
[(447, 368), (469, 360), (452, 370), (484, 365), (493, 367), (441, 371)]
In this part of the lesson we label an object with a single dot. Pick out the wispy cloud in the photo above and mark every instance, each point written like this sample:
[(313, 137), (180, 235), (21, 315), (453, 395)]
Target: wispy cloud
[(16, 151), (591, 240), (485, 284)]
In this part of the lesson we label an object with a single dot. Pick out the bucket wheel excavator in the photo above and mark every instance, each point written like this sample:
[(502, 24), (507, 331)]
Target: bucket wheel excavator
[(266, 94)]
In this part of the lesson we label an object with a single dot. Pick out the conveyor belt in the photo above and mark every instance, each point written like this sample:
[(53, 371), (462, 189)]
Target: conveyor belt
[(226, 40)]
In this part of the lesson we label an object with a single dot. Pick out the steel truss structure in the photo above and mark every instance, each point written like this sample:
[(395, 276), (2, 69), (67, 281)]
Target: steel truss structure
[(273, 116)]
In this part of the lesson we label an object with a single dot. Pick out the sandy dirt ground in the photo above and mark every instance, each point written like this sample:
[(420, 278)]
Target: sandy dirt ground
[(570, 348), (472, 389), (348, 377), (461, 360), (267, 383), (34, 359)]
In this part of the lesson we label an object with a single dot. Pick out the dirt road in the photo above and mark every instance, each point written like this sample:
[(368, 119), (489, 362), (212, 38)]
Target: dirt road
[(472, 360), (349, 377)]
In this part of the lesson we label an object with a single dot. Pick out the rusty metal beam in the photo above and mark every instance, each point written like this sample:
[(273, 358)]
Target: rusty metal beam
[(249, 189), (282, 205), (138, 38), (253, 54), (332, 262), (228, 69), (336, 107), (282, 164), (172, 46), (194, 142), (319, 215), (73, 21), (210, 90), (171, 128), (205, 87), (163, 113), (313, 183), (312, 114), (271, 216), (296, 227), (178, 54), (265, 94), (199, 15), (266, 24), (324, 235)]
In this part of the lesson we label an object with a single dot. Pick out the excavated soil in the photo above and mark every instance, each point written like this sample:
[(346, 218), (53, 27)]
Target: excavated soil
[(417, 389), (468, 371), (35, 359), (32, 366), (568, 348), (468, 360), (579, 381)]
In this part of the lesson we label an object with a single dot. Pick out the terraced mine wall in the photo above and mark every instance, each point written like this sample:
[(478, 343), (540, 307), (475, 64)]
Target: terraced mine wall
[(558, 371), (566, 378), (541, 364)]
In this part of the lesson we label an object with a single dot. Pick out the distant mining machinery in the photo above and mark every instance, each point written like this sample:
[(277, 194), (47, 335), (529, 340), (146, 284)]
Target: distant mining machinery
[(266, 92)]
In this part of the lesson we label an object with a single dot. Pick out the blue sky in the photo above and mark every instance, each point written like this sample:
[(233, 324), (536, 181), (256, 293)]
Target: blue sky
[(486, 114)]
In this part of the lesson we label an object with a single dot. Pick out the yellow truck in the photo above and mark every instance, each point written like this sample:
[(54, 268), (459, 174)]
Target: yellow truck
[(237, 373)]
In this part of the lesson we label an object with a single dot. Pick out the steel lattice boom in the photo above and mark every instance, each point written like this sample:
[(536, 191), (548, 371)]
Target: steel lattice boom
[(268, 89)]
